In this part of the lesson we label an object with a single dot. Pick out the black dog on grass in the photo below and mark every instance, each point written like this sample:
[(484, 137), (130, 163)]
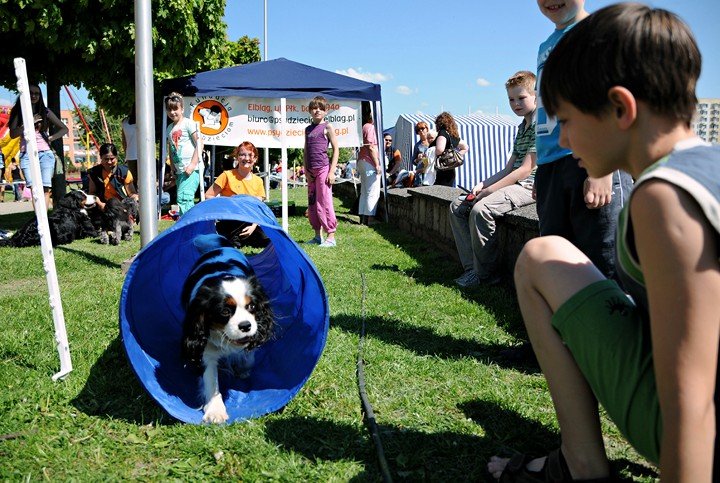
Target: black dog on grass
[(116, 222), (69, 221)]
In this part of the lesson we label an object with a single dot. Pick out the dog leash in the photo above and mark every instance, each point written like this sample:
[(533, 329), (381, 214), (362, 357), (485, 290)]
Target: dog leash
[(369, 415)]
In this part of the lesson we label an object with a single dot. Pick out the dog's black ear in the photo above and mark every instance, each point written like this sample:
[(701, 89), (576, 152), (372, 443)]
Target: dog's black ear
[(263, 313), (195, 332), (68, 202)]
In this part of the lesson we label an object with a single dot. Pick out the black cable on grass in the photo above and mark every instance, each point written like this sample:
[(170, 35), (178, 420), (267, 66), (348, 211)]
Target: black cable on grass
[(368, 413)]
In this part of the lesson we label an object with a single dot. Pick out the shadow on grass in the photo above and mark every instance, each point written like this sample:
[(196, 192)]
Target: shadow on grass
[(424, 342), (13, 221), (413, 454), (113, 391), (348, 201), (434, 267), (93, 258)]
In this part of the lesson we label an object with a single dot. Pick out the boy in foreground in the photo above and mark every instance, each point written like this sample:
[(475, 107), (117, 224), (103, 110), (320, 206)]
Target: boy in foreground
[(622, 84)]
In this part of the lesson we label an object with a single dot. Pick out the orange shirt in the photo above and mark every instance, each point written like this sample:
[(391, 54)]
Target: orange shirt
[(108, 189), (230, 184)]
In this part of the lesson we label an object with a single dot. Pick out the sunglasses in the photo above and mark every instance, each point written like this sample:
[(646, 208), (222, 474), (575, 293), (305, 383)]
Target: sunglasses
[(388, 140), (422, 129), (174, 98)]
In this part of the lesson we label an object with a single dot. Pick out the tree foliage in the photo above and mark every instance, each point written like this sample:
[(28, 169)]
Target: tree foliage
[(92, 42)]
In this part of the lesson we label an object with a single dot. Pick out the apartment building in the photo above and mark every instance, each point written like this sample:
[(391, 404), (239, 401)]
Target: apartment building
[(707, 120), (74, 140)]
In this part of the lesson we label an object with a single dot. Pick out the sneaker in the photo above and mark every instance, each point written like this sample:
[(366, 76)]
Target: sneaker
[(314, 241), (328, 244), (464, 276), (470, 281)]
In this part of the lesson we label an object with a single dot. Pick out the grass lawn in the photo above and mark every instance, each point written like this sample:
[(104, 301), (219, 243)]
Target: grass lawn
[(444, 396)]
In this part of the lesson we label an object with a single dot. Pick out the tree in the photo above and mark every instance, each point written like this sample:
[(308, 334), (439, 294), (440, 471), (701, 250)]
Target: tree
[(92, 42)]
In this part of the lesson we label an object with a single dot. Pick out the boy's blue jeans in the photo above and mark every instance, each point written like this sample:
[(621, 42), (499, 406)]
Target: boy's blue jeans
[(562, 211)]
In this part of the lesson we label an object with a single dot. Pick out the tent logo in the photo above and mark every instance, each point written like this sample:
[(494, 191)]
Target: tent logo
[(212, 116)]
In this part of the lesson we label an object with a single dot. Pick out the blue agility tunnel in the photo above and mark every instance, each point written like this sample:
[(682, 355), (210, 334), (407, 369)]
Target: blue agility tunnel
[(151, 316)]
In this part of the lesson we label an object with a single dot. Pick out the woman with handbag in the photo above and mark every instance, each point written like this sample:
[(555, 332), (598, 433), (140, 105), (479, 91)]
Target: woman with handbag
[(43, 118), (448, 138)]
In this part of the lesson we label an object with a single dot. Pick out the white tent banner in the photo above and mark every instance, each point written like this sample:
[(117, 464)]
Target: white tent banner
[(228, 121)]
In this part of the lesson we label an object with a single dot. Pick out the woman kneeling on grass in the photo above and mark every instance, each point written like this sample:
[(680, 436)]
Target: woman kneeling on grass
[(622, 84), (241, 181)]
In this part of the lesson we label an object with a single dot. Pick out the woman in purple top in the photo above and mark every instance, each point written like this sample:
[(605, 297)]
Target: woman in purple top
[(320, 173)]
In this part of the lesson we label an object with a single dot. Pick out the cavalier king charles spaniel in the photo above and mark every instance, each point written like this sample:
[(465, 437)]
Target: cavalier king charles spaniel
[(228, 315)]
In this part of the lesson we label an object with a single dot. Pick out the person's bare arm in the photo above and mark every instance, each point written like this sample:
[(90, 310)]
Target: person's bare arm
[(463, 148), (375, 157), (440, 144), (308, 175), (93, 190), (213, 191), (195, 157), (677, 250), (60, 127), (16, 126), (130, 187), (330, 133), (124, 141)]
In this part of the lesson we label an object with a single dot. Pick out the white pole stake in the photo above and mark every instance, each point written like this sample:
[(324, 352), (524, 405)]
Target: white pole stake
[(283, 161), (42, 219), (200, 148), (163, 156)]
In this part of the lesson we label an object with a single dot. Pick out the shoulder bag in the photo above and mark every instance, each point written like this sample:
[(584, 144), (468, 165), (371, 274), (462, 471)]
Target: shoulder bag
[(450, 158)]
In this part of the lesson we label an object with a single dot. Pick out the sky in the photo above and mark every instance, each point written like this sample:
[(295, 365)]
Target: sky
[(430, 56)]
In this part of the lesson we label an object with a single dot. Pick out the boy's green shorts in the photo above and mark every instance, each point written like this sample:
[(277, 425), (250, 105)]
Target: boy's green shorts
[(603, 330)]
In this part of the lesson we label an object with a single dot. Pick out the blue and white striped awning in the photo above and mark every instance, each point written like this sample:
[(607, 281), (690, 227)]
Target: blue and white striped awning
[(490, 138)]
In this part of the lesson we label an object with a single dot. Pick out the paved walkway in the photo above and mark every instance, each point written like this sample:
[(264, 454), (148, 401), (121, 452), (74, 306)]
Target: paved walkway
[(9, 207)]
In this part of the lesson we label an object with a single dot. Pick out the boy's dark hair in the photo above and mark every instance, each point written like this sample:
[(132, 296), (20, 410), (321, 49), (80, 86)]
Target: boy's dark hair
[(651, 52), (318, 101)]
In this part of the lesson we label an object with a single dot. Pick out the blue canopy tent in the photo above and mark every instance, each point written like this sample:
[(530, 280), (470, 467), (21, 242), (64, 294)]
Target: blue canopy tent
[(279, 78), (151, 315), (273, 78)]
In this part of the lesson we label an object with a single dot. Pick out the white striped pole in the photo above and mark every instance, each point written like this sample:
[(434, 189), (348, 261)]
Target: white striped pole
[(42, 221)]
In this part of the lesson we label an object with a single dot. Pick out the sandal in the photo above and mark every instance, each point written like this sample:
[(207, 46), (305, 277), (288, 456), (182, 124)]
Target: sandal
[(555, 470)]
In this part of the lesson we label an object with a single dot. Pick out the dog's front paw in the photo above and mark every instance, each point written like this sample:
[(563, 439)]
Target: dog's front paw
[(215, 412), (104, 238)]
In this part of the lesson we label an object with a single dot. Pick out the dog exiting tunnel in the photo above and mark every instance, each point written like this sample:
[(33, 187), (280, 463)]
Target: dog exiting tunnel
[(228, 315)]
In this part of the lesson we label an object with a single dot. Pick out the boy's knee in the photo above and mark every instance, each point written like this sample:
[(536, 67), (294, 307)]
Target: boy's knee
[(525, 260), (539, 251)]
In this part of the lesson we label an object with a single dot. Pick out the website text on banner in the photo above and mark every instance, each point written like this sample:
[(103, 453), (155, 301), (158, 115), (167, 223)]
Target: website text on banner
[(228, 121)]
